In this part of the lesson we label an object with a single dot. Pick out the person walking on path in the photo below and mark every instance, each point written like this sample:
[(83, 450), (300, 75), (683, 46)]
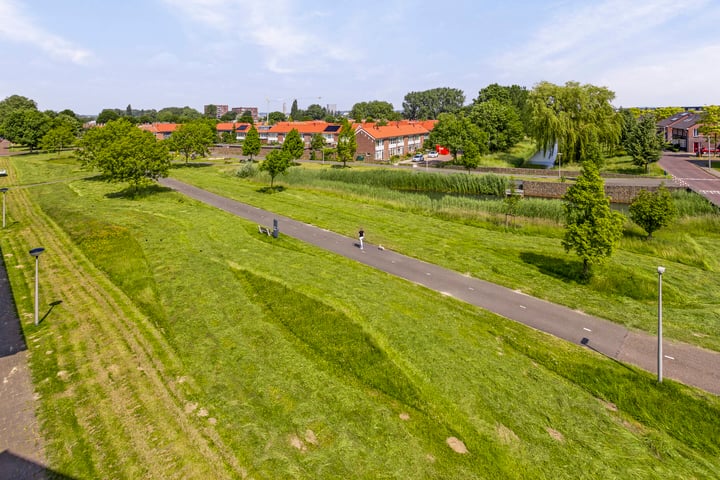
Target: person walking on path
[(361, 236)]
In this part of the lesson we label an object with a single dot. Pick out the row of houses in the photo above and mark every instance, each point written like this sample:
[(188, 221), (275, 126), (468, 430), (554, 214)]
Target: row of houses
[(683, 131), (374, 141)]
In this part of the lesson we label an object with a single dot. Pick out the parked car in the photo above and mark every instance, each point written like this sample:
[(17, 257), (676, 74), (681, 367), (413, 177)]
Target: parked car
[(418, 157), (433, 154)]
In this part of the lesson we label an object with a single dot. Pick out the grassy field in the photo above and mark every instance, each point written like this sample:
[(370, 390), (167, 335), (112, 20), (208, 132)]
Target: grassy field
[(182, 344)]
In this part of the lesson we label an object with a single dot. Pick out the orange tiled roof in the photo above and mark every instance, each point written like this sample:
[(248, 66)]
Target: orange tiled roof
[(159, 127), (400, 128), (228, 126), (316, 126)]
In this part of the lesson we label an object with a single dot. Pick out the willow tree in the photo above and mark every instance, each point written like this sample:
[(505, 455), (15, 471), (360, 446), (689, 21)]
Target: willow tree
[(577, 118)]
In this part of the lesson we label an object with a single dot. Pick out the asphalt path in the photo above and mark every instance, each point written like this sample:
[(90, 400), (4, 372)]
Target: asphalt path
[(685, 363)]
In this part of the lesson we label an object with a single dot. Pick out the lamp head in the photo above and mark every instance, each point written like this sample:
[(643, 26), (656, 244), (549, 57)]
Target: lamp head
[(661, 270), (35, 252), (3, 189)]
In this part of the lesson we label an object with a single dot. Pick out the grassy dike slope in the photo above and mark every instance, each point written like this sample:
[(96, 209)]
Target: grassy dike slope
[(188, 346)]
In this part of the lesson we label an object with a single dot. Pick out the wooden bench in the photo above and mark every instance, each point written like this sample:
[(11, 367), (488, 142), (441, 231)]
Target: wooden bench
[(265, 230)]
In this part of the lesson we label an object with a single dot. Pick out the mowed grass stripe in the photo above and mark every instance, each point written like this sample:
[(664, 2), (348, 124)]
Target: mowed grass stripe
[(100, 337)]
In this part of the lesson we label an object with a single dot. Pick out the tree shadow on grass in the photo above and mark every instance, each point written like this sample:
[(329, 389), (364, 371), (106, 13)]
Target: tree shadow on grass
[(133, 192), (567, 271), (271, 190)]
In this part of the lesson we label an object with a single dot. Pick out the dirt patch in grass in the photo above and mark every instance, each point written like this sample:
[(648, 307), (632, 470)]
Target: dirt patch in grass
[(555, 434), (457, 445)]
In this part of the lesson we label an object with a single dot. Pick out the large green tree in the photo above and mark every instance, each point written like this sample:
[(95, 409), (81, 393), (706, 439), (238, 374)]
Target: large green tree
[(514, 95), (274, 117), (123, 152), (653, 210), (315, 112), (375, 110), (456, 132), (251, 145), (429, 104), (347, 143), (107, 115), (178, 114), (501, 121), (57, 138), (275, 163), (192, 139), (26, 127), (592, 227), (293, 145), (575, 117), (14, 103), (643, 143)]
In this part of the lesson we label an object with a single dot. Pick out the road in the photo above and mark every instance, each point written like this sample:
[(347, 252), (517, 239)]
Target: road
[(693, 172), (685, 363)]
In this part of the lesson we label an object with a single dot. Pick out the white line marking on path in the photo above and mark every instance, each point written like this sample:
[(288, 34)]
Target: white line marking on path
[(587, 329), (523, 306), (668, 356)]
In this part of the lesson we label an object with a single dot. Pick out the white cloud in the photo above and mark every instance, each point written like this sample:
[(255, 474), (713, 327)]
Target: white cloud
[(15, 26), (284, 35), (585, 38)]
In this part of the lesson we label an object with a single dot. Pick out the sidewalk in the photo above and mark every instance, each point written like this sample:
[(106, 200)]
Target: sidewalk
[(21, 449), (685, 363)]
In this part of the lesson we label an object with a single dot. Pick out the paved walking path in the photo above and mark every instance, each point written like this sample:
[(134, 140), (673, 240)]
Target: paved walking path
[(21, 452), (686, 363)]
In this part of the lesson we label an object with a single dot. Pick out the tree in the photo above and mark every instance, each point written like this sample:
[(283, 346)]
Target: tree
[(26, 127), (710, 119), (347, 143), (574, 117), (192, 138), (128, 111), (11, 104), (178, 114), (246, 117), (315, 112), (643, 142), (293, 145), (593, 228), (470, 158), (57, 138), (210, 111), (251, 145), (294, 110), (317, 142), (429, 104), (274, 117), (501, 122), (375, 109), (107, 115), (275, 163), (124, 153), (456, 132), (653, 210), (514, 96), (228, 116)]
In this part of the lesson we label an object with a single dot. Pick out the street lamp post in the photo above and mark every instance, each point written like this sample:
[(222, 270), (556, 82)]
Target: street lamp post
[(35, 252), (4, 191), (660, 271)]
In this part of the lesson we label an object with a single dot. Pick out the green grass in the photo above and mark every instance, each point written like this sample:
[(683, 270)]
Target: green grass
[(469, 235), (188, 346)]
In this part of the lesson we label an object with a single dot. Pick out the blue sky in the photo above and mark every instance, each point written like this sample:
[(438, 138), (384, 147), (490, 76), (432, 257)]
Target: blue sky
[(93, 54)]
